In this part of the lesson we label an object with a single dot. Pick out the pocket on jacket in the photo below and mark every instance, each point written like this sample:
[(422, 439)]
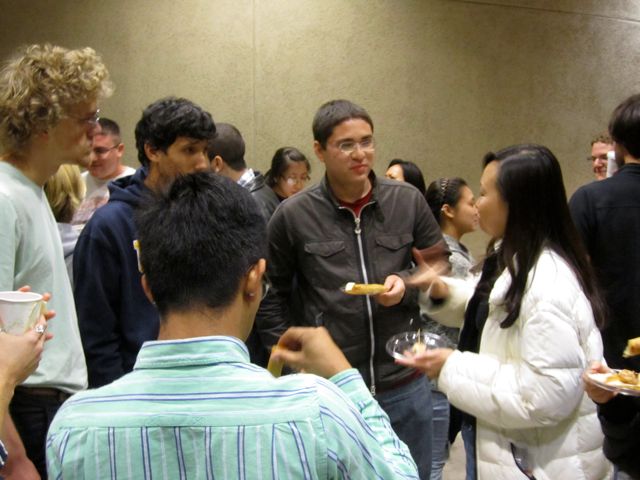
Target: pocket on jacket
[(393, 254), (327, 263)]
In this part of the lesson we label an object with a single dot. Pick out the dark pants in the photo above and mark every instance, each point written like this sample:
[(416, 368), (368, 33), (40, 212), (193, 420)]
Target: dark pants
[(410, 412), (32, 415)]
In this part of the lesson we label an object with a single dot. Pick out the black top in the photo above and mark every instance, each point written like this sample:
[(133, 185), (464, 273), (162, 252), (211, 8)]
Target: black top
[(607, 214)]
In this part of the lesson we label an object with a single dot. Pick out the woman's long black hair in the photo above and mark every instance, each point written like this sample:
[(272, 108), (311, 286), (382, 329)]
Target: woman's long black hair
[(530, 182)]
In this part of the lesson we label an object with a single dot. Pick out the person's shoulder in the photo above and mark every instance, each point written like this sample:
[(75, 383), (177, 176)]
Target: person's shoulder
[(304, 199)]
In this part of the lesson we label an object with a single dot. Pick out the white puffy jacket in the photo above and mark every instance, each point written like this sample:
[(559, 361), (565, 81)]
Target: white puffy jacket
[(525, 387)]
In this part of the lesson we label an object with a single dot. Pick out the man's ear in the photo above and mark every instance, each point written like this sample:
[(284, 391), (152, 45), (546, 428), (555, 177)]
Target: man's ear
[(120, 149), (252, 287), (147, 289), (318, 150), (217, 164), (152, 153)]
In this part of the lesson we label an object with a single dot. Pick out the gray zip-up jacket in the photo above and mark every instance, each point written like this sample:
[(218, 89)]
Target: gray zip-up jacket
[(316, 246)]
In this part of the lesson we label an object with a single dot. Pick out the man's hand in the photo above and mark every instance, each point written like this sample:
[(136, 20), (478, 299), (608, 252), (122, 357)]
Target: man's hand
[(311, 350), (395, 291), (429, 362), (596, 393), (20, 355), (48, 314)]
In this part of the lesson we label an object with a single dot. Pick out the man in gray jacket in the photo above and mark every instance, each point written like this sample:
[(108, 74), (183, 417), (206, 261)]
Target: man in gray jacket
[(355, 227)]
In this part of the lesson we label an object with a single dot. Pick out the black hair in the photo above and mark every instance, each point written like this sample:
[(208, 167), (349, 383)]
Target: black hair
[(334, 113), (280, 162), (411, 173), (444, 191), (624, 126), (109, 127), (197, 241), (167, 119), (530, 181), (228, 144)]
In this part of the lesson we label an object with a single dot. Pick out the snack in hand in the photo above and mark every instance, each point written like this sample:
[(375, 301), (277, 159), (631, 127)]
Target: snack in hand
[(364, 288), (633, 348), (628, 377), (418, 347), (274, 366)]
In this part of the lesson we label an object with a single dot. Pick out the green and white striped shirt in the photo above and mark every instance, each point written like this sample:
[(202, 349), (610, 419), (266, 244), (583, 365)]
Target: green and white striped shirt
[(197, 408)]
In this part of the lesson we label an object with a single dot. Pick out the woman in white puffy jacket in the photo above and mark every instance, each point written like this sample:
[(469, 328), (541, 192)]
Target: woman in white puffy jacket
[(529, 331)]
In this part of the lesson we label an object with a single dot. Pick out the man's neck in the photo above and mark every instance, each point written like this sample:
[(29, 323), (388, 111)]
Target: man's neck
[(203, 322), (349, 193), (31, 167)]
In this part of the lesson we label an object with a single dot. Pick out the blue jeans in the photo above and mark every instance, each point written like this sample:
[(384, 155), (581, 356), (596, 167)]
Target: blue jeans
[(440, 439), (468, 433), (410, 412)]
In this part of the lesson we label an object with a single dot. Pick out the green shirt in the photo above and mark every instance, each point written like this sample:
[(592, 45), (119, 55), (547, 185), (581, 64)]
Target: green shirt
[(197, 408), (31, 254)]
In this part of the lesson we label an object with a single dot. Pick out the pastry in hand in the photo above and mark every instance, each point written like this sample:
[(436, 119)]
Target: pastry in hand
[(274, 366), (364, 288)]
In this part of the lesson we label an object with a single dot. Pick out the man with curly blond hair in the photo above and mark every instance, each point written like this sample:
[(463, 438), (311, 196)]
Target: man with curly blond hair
[(48, 116)]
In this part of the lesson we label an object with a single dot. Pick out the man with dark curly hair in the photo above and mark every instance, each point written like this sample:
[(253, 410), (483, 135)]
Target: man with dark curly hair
[(48, 115), (114, 314)]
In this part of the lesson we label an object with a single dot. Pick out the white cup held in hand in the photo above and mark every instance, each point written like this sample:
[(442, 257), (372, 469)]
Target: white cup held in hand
[(19, 311)]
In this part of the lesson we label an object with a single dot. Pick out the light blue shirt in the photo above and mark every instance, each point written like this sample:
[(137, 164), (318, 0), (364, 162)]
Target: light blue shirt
[(197, 408), (31, 254)]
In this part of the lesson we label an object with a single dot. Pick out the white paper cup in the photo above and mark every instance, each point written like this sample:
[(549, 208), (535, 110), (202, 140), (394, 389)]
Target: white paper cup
[(19, 311)]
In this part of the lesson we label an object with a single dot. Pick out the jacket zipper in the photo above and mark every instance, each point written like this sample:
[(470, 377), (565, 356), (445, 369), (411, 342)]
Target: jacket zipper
[(358, 231)]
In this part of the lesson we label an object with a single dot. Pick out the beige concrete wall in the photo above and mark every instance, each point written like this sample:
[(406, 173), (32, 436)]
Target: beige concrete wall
[(444, 80)]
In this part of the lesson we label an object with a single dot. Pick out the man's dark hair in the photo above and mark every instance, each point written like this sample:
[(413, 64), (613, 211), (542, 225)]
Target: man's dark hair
[(197, 241), (229, 145), (624, 126), (109, 127), (169, 118), (334, 113)]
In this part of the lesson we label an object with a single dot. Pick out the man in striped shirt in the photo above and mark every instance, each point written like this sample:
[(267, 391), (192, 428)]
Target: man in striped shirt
[(194, 407)]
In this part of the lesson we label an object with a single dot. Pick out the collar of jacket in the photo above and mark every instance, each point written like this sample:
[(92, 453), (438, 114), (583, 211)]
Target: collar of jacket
[(325, 187)]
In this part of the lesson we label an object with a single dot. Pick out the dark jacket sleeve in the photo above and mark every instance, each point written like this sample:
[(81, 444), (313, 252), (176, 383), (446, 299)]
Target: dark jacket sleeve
[(96, 268), (272, 319), (620, 420)]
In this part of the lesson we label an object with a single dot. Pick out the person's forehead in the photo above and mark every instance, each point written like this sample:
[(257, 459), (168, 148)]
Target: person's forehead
[(182, 141), (602, 146), (102, 138), (351, 128)]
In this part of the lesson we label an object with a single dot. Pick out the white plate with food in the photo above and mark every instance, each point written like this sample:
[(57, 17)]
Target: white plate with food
[(407, 344), (625, 382)]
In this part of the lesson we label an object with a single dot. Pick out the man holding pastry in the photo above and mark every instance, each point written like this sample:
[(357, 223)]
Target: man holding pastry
[(355, 227)]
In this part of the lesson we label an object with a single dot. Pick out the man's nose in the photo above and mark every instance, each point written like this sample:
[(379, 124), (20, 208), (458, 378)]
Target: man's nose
[(203, 163)]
